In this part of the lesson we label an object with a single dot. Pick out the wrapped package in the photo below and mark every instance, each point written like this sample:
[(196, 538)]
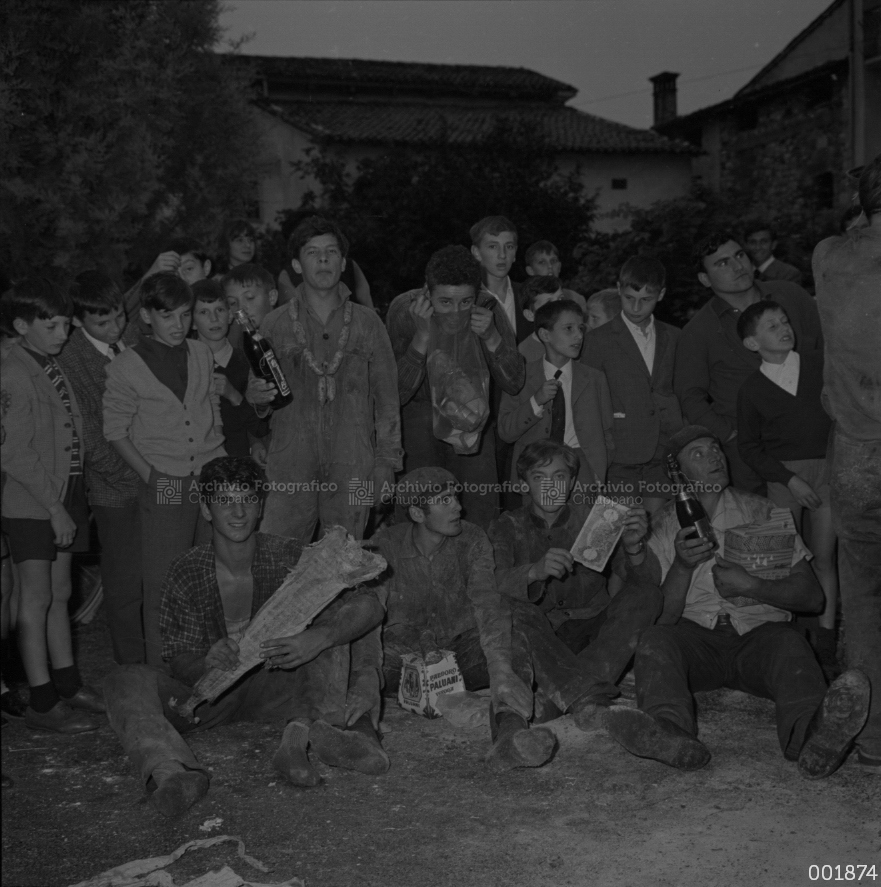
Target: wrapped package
[(326, 568)]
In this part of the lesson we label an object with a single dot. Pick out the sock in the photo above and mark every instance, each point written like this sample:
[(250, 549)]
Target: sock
[(43, 697), (67, 680)]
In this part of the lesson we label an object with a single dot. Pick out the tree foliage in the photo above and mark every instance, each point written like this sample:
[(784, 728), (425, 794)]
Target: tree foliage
[(120, 126), (401, 206)]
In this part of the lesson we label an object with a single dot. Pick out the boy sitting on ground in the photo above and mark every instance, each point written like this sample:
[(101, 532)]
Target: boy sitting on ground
[(584, 632), (322, 685)]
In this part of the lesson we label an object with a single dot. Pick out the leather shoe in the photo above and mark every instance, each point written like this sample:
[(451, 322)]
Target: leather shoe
[(840, 717), (516, 745), (656, 738), (12, 705), (87, 699), (61, 718), (354, 748)]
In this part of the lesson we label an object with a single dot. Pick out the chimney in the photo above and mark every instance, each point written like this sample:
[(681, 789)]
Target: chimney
[(664, 94)]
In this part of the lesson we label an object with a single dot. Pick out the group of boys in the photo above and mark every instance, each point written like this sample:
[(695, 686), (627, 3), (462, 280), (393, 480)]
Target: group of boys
[(446, 395)]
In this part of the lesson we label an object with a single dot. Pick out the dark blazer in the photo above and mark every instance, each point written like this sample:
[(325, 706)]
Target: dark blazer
[(110, 480), (591, 414), (39, 437), (778, 270), (646, 411)]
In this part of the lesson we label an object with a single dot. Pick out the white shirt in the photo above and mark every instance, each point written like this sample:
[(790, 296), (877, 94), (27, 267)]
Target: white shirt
[(645, 339), (221, 357), (103, 347), (785, 374), (570, 438), (509, 303)]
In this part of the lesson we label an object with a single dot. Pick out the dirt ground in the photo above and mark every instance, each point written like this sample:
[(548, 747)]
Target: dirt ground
[(593, 816)]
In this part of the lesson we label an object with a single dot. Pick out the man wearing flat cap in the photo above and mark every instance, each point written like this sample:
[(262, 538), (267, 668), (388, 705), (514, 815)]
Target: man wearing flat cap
[(724, 627), (441, 593)]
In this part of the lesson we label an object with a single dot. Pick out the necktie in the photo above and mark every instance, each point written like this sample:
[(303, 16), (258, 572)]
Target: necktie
[(558, 413), (114, 350)]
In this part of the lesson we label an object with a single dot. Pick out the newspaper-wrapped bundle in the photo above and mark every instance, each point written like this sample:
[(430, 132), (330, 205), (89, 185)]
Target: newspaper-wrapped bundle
[(326, 568), (763, 550)]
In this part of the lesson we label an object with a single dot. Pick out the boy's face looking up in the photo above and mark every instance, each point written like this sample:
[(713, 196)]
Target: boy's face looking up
[(549, 485), (637, 305), (241, 249), (321, 262), (541, 299), (192, 270), (106, 328), (211, 320), (544, 265), (773, 336), (46, 337), (450, 299), (496, 253), (169, 327), (252, 298), (563, 340)]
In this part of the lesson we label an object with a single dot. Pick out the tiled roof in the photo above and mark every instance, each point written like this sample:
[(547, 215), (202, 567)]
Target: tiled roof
[(424, 125), (361, 74)]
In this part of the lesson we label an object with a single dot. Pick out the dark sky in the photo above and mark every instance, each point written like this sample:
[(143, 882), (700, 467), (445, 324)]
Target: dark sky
[(605, 48)]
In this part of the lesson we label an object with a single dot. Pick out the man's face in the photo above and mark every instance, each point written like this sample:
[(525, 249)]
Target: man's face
[(170, 327), (760, 246), (496, 252), (637, 305), (728, 271), (211, 320), (233, 512), (450, 299), (443, 515), (595, 316), (565, 336), (703, 462), (242, 249), (106, 328), (191, 269), (321, 262), (44, 336), (773, 334), (549, 485), (252, 298), (544, 265)]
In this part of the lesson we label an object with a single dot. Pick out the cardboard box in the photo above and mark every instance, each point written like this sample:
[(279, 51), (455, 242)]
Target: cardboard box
[(422, 682)]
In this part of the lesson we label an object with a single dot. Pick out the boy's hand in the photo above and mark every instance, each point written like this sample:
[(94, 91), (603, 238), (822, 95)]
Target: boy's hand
[(732, 580), (164, 262), (259, 453), (223, 387), (63, 525), (296, 650), (557, 563), (223, 655), (547, 392), (259, 392), (691, 550), (482, 323), (803, 493), (636, 527), (421, 311)]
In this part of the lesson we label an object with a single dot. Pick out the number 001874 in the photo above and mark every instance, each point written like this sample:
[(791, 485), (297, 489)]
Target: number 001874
[(842, 873)]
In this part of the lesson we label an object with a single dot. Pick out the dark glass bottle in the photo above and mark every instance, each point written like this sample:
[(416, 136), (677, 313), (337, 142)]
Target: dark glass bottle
[(688, 507), (258, 350)]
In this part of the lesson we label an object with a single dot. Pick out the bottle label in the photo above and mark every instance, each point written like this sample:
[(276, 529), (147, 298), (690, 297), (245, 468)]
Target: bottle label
[(269, 362)]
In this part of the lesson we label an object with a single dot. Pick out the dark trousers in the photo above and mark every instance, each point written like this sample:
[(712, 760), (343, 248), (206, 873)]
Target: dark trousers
[(138, 708), (476, 472), (119, 529), (170, 525), (772, 661), (856, 512)]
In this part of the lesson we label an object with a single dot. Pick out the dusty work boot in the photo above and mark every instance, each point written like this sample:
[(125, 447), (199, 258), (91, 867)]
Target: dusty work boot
[(177, 788), (515, 745), (354, 748), (656, 738), (589, 712), (291, 761), (839, 718)]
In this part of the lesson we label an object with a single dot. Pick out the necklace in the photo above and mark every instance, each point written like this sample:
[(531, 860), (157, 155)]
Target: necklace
[(325, 371)]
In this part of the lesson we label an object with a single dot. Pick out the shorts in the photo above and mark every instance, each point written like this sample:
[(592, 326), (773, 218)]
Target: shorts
[(32, 539), (812, 471)]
